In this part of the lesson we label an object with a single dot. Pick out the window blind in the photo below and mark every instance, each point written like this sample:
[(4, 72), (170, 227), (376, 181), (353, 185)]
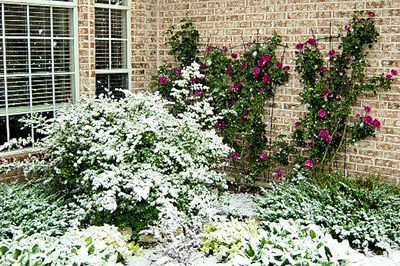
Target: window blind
[(36, 62)]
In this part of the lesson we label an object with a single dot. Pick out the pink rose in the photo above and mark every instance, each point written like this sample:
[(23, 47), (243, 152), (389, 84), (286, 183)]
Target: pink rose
[(322, 113), (323, 69), (394, 72), (234, 155), (266, 57), (198, 93), (163, 80), (266, 78), (347, 27), (332, 53), (229, 69), (299, 46), (266, 38), (261, 90), (263, 156), (358, 20), (209, 48), (225, 48), (376, 123), (233, 102), (308, 164), (297, 124), (371, 14), (368, 120), (310, 144), (220, 125), (389, 77), (279, 65), (358, 115), (234, 55), (236, 87), (260, 62), (287, 68), (244, 66), (279, 173), (312, 42), (367, 109), (324, 134), (256, 71)]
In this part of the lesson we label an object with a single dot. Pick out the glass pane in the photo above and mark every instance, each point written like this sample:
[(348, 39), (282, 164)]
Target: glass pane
[(118, 2), (63, 88), (102, 54), (3, 130), (62, 55), (15, 20), (17, 128), (102, 1), (62, 21), (18, 94), (39, 18), (118, 24), (17, 56), (40, 55), (47, 115), (118, 56), (111, 84), (102, 21), (42, 92)]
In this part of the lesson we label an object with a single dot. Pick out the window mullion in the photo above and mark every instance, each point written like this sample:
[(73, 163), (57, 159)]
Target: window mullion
[(5, 72)]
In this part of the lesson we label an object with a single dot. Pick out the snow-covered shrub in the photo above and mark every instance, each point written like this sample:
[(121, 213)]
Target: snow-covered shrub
[(127, 162), (287, 242), (364, 213), (34, 208), (96, 245), (221, 239)]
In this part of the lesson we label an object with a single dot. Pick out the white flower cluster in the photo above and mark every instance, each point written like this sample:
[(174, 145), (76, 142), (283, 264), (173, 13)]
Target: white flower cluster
[(119, 153), (191, 93), (96, 245)]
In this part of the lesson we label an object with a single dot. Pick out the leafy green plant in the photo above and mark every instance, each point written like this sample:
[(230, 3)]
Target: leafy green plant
[(331, 88), (183, 42), (363, 212)]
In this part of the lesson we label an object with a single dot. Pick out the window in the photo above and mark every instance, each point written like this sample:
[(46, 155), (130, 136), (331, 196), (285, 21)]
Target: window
[(37, 70), (111, 37)]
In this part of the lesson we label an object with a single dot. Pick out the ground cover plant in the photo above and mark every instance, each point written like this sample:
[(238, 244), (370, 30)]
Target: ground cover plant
[(364, 212)]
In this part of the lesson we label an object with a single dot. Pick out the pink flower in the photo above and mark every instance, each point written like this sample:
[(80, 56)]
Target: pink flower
[(297, 124), (308, 164), (220, 125), (279, 65), (163, 80), (266, 57), (368, 120), (394, 72), (234, 155), (198, 93), (376, 123), (358, 115), (312, 41), (389, 77), (263, 156), (234, 55), (266, 78), (358, 20), (260, 62), (245, 116), (178, 71), (266, 38), (193, 80), (244, 66), (299, 46), (371, 14), (323, 69), (229, 69), (209, 48), (310, 144), (225, 48), (324, 134), (261, 90), (367, 109), (233, 102), (322, 113), (287, 68), (326, 93), (279, 173), (332, 53), (236, 87), (256, 71), (347, 27)]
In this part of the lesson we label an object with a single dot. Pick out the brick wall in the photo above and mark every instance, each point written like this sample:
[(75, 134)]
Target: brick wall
[(230, 21)]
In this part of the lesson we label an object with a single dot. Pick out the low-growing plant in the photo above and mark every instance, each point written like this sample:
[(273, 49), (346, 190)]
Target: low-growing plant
[(35, 208), (363, 212)]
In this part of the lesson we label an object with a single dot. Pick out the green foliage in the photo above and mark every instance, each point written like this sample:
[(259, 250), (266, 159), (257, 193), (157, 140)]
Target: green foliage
[(331, 88), (34, 208), (183, 42), (365, 212)]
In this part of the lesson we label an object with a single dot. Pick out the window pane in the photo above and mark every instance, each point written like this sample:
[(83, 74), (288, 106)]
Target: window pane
[(40, 55), (39, 18), (118, 54), (111, 84), (102, 1), (102, 23), (62, 21), (17, 129), (2, 98), (42, 92), (63, 55), (15, 20), (17, 55), (18, 92), (63, 88), (102, 54), (118, 24), (3, 130)]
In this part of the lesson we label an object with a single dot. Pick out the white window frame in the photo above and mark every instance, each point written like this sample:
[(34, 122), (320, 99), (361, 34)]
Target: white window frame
[(73, 5), (128, 69)]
